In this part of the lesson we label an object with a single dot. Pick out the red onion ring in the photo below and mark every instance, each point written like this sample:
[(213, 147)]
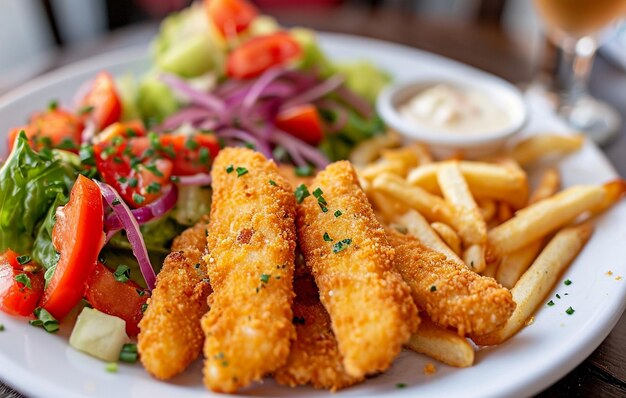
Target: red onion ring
[(148, 212), (196, 179), (315, 92), (205, 100)]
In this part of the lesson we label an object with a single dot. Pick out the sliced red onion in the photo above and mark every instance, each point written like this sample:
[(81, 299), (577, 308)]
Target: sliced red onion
[(205, 100), (294, 145), (148, 212), (188, 115), (196, 179), (129, 223), (89, 131), (315, 92), (359, 104), (245, 136), (340, 112), (259, 86)]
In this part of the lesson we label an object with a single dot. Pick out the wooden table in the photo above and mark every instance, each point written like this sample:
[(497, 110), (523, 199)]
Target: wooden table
[(486, 47)]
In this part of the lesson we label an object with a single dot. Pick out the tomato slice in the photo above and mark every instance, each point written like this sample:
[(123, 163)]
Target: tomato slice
[(124, 300), (77, 235), (302, 122), (260, 53), (16, 298), (56, 128), (103, 98), (230, 16)]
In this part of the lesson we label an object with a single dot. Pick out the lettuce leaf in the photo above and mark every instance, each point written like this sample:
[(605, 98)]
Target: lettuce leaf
[(30, 183), (44, 252)]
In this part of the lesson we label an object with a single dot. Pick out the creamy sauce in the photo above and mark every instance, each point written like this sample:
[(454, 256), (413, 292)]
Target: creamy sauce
[(453, 109)]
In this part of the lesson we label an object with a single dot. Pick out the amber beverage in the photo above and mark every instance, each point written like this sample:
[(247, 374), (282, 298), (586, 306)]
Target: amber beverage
[(580, 17)]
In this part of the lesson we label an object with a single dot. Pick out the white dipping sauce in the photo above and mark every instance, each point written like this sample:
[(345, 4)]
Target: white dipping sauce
[(453, 109)]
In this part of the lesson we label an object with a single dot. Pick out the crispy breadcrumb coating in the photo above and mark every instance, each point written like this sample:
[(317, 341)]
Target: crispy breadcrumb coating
[(451, 294), (369, 304), (314, 358), (171, 337), (251, 243), (193, 237)]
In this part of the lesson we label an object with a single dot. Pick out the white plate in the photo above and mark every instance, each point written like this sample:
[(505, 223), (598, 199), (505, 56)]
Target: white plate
[(41, 364)]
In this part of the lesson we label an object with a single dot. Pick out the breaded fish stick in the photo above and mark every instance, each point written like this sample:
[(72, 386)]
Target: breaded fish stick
[(193, 237), (346, 249), (251, 243), (451, 294), (314, 358), (171, 337)]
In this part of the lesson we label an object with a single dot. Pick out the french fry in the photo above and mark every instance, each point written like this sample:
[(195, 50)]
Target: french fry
[(441, 344), (386, 206), (504, 212), (430, 206), (538, 220), (491, 269), (485, 180), (448, 235), (513, 265), (383, 166), (417, 226), (474, 257), (613, 192), (549, 184), (533, 287), (369, 150), (537, 147), (487, 208)]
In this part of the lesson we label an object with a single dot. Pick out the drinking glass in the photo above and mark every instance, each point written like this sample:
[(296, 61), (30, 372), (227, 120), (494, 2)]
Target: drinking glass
[(575, 27)]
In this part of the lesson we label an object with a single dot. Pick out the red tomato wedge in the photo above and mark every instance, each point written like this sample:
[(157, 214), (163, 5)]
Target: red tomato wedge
[(302, 122), (124, 300), (77, 235), (55, 128), (260, 53), (103, 98), (16, 298), (230, 16)]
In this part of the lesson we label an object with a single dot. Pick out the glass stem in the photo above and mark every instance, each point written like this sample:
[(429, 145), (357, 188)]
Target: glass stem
[(575, 58)]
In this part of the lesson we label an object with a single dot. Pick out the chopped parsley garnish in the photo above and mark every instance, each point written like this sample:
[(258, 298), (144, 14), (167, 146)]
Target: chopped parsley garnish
[(301, 193), (433, 288), (153, 169), (112, 367), (241, 171), (83, 110), (327, 237), (138, 198), (122, 273), (24, 280), (320, 199), (569, 311), (140, 292), (550, 303), (116, 202), (45, 320), (341, 245), (567, 282), (318, 192), (557, 296), (23, 260), (273, 183), (265, 278), (338, 213), (1, 327), (153, 187), (132, 182), (53, 105), (230, 168), (144, 307), (204, 155), (400, 385), (129, 353), (122, 180), (191, 144), (304, 171), (86, 155), (67, 143)]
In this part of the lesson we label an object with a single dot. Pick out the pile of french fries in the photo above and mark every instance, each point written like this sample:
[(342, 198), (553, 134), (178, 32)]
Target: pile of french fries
[(483, 214)]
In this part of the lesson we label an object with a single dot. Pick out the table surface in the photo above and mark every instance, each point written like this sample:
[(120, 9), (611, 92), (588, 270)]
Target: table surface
[(483, 46)]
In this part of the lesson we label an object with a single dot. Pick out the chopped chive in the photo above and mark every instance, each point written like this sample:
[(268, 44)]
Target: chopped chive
[(557, 296), (338, 213), (1, 327), (567, 282), (129, 353), (138, 198), (153, 169), (153, 187), (301, 193), (191, 144), (53, 105), (23, 260), (327, 237), (569, 311), (241, 171), (140, 292), (550, 303), (204, 155), (265, 278), (318, 192), (122, 273), (433, 288), (400, 385), (144, 307), (304, 171), (230, 168), (132, 182), (341, 245), (112, 367), (24, 280), (272, 182), (83, 110), (45, 320), (122, 180), (116, 202)]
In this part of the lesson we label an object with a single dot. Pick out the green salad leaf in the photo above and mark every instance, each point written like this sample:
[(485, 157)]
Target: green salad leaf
[(30, 183), (364, 78), (43, 251)]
